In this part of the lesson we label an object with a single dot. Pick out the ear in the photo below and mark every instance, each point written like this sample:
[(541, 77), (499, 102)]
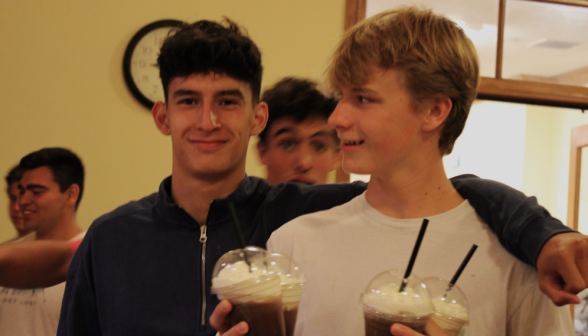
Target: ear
[(161, 117), (436, 113), (259, 119), (72, 193), (262, 151)]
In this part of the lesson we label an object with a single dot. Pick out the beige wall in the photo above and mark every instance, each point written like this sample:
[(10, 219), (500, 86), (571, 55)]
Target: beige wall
[(61, 82)]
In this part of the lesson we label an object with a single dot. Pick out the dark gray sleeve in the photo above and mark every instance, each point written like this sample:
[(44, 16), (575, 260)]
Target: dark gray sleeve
[(287, 201), (521, 224)]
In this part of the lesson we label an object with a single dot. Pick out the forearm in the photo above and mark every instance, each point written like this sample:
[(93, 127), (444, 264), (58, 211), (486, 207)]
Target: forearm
[(34, 264), (520, 223)]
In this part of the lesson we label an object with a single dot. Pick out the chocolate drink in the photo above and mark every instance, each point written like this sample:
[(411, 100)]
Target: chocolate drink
[(263, 317), (378, 326), (290, 319)]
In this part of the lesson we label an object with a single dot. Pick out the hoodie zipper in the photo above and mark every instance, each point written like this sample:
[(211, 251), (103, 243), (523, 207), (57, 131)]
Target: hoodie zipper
[(203, 239)]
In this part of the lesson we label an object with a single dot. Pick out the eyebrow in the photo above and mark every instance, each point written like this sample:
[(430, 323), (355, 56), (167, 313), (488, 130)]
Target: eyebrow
[(236, 93), (185, 92), (362, 90), (32, 186), (284, 130), (319, 134)]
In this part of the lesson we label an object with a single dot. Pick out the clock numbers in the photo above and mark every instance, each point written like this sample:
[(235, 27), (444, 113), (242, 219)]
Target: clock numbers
[(140, 68)]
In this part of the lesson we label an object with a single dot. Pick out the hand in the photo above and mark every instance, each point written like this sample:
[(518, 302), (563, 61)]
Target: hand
[(431, 329), (220, 322), (562, 267)]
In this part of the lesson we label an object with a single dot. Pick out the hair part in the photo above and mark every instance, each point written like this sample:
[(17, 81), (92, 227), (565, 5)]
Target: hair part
[(433, 56), (66, 166), (298, 99), (205, 47)]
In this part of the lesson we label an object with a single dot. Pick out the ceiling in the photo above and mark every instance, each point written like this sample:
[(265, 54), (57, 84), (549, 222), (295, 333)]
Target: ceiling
[(542, 41)]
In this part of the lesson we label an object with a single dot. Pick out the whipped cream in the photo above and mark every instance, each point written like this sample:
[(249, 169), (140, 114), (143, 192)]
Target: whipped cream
[(388, 300), (236, 273), (450, 308)]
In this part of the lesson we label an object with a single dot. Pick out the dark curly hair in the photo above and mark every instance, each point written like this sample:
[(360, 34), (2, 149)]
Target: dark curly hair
[(205, 47), (296, 98)]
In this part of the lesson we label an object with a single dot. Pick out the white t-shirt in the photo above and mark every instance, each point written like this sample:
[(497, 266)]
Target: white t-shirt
[(340, 250), (31, 312)]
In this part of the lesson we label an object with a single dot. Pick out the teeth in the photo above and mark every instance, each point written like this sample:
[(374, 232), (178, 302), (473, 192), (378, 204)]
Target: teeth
[(353, 142)]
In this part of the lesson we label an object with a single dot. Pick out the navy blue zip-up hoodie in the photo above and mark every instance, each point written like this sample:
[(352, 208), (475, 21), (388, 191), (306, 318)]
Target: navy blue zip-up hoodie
[(145, 268)]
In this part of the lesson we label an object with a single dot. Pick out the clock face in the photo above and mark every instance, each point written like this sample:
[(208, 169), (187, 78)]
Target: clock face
[(140, 62)]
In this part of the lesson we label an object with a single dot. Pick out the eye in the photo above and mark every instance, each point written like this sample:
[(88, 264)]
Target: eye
[(187, 101), (319, 146), (286, 144), (227, 102), (363, 100)]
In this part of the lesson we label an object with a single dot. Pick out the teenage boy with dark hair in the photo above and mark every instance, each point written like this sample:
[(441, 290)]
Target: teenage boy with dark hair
[(50, 191), (145, 268), (298, 145)]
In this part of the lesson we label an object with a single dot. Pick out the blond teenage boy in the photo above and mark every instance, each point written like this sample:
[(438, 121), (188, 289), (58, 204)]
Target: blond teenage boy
[(407, 79)]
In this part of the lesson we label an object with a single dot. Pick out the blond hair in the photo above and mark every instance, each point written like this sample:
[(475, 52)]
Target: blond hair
[(432, 54)]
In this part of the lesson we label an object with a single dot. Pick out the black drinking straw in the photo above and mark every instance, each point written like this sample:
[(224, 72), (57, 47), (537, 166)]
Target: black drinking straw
[(262, 226), (415, 251), (238, 230), (461, 268)]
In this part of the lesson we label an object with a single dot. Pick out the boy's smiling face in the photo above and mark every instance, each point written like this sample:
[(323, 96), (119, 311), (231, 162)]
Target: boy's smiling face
[(377, 125)]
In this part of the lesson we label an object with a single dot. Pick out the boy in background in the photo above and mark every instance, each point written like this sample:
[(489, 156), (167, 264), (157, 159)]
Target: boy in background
[(297, 144)]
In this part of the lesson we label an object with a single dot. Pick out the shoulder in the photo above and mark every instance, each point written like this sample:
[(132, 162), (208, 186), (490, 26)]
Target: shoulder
[(290, 200), (313, 224), (143, 205)]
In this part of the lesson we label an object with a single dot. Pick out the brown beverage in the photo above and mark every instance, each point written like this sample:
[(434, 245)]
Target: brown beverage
[(290, 319), (263, 317), (242, 277), (380, 325), (384, 303)]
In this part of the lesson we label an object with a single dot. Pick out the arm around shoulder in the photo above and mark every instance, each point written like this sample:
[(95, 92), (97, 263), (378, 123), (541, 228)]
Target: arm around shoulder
[(520, 223)]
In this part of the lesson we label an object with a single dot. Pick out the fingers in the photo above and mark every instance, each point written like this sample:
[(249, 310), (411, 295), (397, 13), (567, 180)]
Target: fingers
[(398, 329), (431, 329), (581, 259), (219, 321), (563, 267), (239, 329), (551, 286)]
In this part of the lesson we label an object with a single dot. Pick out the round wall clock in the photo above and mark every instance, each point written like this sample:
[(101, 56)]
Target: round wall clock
[(140, 62)]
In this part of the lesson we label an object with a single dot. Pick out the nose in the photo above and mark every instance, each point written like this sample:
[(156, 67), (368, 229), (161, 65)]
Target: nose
[(14, 205), (23, 199), (304, 160), (340, 118), (208, 120)]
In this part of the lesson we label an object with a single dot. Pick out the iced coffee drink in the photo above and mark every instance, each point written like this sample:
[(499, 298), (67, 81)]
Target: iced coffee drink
[(451, 307), (245, 278), (383, 304), (292, 282)]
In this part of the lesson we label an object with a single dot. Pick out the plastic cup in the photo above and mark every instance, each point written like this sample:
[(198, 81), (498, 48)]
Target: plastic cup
[(451, 311), (292, 282), (383, 305), (254, 291)]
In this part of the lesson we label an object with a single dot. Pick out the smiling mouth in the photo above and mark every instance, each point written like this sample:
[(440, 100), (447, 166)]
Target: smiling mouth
[(352, 142)]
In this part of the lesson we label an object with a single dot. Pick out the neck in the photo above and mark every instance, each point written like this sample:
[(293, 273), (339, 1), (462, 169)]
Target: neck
[(65, 229), (414, 191), (194, 194)]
